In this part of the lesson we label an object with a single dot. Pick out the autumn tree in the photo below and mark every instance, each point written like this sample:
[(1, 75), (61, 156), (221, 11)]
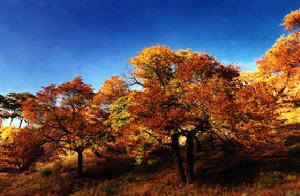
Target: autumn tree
[(169, 103), (60, 114), (282, 60), (20, 147), (101, 110), (284, 55), (280, 66)]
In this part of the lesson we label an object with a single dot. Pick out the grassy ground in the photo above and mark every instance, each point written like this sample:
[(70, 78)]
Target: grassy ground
[(269, 172)]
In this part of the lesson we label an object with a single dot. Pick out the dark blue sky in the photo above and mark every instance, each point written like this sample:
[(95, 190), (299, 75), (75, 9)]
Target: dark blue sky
[(52, 41)]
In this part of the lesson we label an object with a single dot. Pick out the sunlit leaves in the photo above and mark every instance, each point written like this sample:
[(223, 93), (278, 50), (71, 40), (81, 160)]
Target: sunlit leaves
[(154, 64), (112, 90), (284, 56), (280, 66), (174, 82), (292, 20), (60, 113), (23, 147)]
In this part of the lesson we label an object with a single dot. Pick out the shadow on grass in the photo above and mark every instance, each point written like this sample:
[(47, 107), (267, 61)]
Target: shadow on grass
[(158, 160), (8, 170), (225, 169), (109, 168)]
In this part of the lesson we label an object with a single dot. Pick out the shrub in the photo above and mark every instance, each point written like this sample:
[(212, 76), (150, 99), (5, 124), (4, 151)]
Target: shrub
[(271, 179), (131, 178), (111, 188), (21, 147)]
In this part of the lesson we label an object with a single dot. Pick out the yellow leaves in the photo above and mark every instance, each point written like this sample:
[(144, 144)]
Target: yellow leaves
[(152, 55), (292, 20), (153, 62), (159, 65), (7, 134), (187, 53), (112, 90)]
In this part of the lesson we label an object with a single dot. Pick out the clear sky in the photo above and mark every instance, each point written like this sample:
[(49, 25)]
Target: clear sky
[(52, 41)]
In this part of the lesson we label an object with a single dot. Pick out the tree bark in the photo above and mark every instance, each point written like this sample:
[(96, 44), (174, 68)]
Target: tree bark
[(21, 121), (198, 148), (11, 120), (79, 162), (190, 157), (212, 141), (28, 123), (176, 149)]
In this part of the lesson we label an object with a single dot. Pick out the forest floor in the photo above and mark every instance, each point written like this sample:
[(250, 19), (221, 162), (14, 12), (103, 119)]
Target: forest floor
[(270, 171)]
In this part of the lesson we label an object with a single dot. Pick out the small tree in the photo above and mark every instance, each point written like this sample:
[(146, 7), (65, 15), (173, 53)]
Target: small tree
[(102, 111), (60, 114), (21, 147)]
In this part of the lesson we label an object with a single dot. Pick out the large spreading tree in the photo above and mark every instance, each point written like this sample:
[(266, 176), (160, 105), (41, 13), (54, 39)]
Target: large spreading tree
[(184, 93)]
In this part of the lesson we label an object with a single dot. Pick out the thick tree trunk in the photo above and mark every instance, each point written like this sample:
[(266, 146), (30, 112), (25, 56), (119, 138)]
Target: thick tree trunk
[(19, 167), (190, 158), (198, 149), (79, 162), (176, 149)]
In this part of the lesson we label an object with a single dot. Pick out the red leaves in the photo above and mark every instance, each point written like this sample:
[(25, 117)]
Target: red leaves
[(60, 112), (27, 148), (195, 89), (179, 88)]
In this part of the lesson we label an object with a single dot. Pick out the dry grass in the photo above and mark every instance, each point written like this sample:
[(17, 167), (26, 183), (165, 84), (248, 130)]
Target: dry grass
[(217, 173)]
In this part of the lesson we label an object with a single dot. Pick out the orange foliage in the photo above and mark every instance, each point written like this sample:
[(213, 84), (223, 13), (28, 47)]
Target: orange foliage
[(292, 20), (174, 83), (284, 56), (111, 90), (60, 114)]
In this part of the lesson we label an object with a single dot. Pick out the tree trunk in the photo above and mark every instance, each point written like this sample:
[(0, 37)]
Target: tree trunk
[(28, 123), (19, 167), (198, 149), (21, 121), (212, 141), (11, 120), (176, 149), (190, 157), (79, 162)]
